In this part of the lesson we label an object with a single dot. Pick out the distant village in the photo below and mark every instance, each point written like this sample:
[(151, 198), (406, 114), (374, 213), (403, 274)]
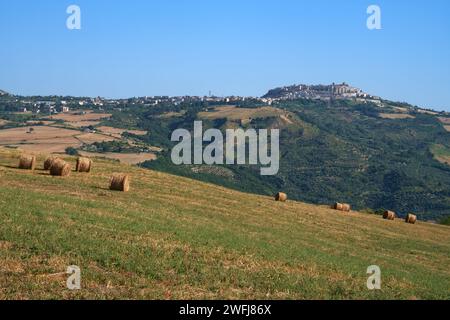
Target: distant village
[(320, 92), (54, 104)]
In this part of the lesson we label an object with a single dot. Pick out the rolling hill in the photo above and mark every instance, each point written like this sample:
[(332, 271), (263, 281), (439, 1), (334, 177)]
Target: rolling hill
[(176, 238), (389, 156), (374, 154)]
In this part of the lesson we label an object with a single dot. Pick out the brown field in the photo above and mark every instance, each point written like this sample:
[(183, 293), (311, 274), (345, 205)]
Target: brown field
[(395, 116), (433, 113), (77, 117), (128, 158), (40, 122), (117, 133), (19, 135), (233, 113), (48, 148), (79, 124), (45, 139), (3, 122), (89, 138)]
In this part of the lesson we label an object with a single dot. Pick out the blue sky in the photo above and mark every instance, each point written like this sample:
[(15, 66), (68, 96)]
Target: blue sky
[(242, 47)]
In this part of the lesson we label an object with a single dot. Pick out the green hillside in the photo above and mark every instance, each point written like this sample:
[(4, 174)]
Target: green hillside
[(173, 237), (375, 157)]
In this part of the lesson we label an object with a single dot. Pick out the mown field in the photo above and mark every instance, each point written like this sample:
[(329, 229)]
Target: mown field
[(175, 238)]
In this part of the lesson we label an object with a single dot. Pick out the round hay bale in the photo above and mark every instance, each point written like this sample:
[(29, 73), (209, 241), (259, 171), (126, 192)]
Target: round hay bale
[(389, 215), (27, 162), (347, 207), (280, 196), (60, 168), (337, 206), (84, 165), (120, 182), (411, 218), (48, 163), (342, 207)]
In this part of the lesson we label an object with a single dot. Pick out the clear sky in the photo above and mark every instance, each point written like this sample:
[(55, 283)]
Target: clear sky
[(241, 47)]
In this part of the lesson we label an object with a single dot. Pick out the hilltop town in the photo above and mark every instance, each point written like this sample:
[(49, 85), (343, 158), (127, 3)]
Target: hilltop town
[(319, 92), (61, 104)]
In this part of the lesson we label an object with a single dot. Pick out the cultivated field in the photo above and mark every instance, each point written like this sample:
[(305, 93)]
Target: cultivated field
[(47, 139), (174, 238)]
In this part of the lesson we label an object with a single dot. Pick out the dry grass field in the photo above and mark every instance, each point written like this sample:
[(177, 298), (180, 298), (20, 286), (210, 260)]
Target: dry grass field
[(81, 124), (175, 238), (22, 134), (128, 158), (117, 133), (395, 116), (77, 116), (232, 113), (89, 138)]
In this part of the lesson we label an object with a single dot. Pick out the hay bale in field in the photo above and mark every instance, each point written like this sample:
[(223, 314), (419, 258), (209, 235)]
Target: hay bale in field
[(84, 165), (342, 207), (60, 168), (120, 182), (280, 196), (27, 162), (389, 215), (411, 218), (48, 163)]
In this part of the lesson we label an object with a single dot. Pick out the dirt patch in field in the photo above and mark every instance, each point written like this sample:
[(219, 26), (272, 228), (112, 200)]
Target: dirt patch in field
[(3, 122), (128, 158), (395, 116)]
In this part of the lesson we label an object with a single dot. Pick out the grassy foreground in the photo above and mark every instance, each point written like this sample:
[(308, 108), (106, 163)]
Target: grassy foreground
[(174, 238)]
